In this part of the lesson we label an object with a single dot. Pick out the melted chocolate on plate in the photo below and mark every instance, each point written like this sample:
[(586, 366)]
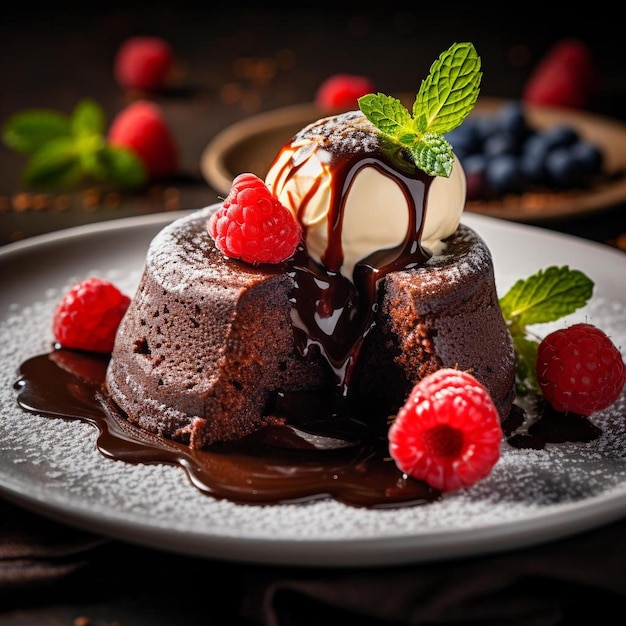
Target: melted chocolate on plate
[(303, 455)]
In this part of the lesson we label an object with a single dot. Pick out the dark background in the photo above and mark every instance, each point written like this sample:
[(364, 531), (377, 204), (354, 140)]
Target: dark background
[(231, 63)]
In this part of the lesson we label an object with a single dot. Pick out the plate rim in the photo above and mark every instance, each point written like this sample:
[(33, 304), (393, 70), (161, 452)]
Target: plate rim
[(392, 550)]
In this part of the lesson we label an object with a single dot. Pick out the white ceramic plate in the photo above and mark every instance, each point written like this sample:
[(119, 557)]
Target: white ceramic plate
[(52, 466)]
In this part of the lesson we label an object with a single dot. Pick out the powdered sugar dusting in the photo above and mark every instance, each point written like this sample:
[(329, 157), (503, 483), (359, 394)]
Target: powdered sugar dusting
[(55, 462), (178, 259), (349, 132)]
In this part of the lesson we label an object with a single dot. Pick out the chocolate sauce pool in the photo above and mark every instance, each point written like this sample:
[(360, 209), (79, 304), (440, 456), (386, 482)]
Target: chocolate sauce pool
[(302, 456), (289, 461)]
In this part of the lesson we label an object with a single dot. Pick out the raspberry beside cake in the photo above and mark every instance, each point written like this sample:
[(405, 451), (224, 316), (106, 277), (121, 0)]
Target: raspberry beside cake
[(385, 287)]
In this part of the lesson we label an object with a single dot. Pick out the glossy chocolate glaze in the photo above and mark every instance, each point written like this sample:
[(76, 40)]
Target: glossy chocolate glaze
[(301, 456), (331, 311)]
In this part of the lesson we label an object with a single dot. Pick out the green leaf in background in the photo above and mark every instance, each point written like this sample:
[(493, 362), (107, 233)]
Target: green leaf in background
[(93, 166), (445, 98), (56, 165), (125, 169), (88, 119), (69, 150), (30, 130)]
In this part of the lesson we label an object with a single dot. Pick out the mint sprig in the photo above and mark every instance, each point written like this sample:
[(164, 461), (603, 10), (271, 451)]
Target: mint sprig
[(68, 150), (546, 296), (445, 98)]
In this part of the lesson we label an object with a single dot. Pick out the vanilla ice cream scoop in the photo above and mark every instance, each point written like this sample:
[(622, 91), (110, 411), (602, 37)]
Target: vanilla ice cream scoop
[(356, 193)]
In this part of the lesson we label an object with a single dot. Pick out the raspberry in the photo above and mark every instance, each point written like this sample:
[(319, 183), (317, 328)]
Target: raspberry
[(448, 432), (579, 369), (565, 77), (88, 315), (252, 225), (141, 128), (143, 63), (342, 91)]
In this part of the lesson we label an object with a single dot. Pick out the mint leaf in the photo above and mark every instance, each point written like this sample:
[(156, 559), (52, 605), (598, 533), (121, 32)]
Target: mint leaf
[(444, 100), (88, 119), (28, 131), (125, 168), (388, 114), (69, 150), (56, 165), (434, 154), (526, 359), (449, 93), (546, 296)]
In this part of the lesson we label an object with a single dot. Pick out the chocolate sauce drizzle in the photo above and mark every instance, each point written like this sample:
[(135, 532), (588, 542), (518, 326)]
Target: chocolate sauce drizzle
[(330, 311)]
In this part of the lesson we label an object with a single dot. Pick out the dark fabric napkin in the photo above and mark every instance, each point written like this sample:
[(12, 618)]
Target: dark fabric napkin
[(45, 566), (34, 551)]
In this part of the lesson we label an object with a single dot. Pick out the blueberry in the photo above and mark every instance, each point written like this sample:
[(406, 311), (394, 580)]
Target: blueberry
[(563, 169), (533, 157), (501, 142), (534, 168), (502, 153), (560, 135), (504, 174), (589, 156), (475, 163), (536, 146), (484, 126), (465, 139), (512, 119)]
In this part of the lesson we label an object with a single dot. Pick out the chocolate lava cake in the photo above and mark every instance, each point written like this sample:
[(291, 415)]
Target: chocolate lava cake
[(208, 345)]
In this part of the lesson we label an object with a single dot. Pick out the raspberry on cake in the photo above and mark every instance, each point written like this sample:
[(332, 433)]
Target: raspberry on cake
[(385, 286), (253, 225)]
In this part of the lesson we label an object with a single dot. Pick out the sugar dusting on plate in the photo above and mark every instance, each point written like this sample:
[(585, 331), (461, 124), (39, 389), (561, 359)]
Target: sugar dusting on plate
[(56, 462)]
